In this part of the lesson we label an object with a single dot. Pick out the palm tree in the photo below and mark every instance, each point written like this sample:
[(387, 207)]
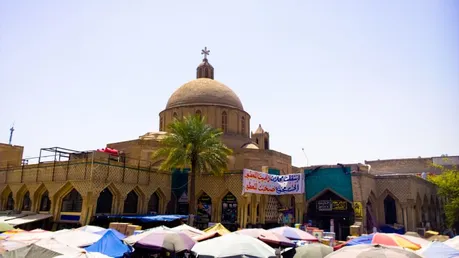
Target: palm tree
[(192, 143)]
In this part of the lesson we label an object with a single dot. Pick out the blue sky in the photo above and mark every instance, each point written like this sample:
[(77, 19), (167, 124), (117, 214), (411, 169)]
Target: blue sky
[(347, 81)]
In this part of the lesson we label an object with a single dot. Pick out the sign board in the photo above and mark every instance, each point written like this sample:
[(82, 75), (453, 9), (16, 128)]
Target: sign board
[(358, 210), (324, 205), (264, 183)]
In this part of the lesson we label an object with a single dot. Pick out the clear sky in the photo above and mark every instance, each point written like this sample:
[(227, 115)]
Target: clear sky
[(347, 81)]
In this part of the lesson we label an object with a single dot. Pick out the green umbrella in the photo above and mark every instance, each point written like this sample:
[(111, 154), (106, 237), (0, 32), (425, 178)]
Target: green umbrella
[(5, 227), (314, 250), (372, 251)]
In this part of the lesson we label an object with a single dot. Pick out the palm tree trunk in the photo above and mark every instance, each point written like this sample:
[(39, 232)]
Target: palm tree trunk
[(192, 195)]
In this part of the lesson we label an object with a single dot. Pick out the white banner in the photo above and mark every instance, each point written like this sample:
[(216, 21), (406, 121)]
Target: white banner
[(264, 183)]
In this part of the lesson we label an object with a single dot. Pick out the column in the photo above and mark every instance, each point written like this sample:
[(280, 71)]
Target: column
[(405, 217)]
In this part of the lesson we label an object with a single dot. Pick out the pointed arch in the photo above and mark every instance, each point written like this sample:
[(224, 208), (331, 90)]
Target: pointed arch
[(108, 199), (328, 190), (61, 194), (229, 207), (391, 207), (133, 201), (72, 201), (41, 199), (7, 199), (26, 202), (371, 211), (157, 201), (243, 125), (21, 195), (174, 115)]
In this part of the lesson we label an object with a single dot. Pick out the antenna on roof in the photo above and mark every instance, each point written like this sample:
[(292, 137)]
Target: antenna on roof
[(11, 134), (307, 159)]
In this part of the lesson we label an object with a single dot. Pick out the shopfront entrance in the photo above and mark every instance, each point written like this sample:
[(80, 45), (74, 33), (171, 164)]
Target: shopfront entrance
[(330, 212)]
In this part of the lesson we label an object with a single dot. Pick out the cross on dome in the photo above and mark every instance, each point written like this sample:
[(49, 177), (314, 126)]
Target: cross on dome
[(205, 52)]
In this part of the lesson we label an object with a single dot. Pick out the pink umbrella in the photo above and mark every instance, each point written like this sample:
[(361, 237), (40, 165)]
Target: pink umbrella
[(172, 241), (267, 236), (294, 233)]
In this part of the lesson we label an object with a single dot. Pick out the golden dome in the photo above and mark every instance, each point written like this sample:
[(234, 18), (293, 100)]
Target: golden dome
[(204, 91)]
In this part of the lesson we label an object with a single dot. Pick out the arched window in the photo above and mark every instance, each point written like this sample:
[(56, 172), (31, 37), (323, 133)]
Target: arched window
[(45, 202), (153, 204), (390, 210), (131, 202), (10, 202), (175, 116), (72, 202), (161, 124), (26, 202), (243, 125), (105, 201), (198, 113), (224, 121), (229, 209)]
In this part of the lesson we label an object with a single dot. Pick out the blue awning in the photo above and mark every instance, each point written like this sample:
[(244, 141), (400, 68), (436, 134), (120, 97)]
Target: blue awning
[(147, 218)]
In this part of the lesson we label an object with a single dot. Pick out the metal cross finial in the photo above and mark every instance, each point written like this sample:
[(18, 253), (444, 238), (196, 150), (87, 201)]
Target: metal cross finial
[(205, 52)]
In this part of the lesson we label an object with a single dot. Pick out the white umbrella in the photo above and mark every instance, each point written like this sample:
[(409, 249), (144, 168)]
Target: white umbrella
[(91, 229), (453, 242), (84, 255), (233, 245), (76, 238), (372, 251), (185, 227)]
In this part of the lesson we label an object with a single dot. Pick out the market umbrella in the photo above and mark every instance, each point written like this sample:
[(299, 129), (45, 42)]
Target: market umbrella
[(30, 251), (134, 238), (418, 240), (114, 231), (373, 251), (384, 239), (217, 228), (314, 250), (267, 236), (187, 228), (294, 233), (169, 240), (5, 227), (453, 242), (91, 229), (233, 245), (206, 236), (438, 250), (440, 238)]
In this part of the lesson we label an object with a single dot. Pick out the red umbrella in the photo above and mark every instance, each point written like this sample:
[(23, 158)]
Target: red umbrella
[(267, 236)]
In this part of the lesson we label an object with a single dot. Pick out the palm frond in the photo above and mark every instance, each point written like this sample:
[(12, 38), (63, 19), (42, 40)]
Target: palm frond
[(192, 139)]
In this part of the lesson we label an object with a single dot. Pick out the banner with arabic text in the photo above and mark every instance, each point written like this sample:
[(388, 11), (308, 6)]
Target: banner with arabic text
[(264, 183)]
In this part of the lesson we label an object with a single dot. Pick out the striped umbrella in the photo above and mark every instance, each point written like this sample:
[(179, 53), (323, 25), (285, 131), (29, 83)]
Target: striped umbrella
[(384, 239)]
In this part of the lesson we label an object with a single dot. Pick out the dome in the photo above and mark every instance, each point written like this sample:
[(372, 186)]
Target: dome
[(204, 91)]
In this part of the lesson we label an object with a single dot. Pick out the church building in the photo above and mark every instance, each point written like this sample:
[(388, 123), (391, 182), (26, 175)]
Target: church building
[(74, 186)]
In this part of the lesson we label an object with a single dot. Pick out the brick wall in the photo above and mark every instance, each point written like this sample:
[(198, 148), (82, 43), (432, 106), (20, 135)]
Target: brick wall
[(10, 155)]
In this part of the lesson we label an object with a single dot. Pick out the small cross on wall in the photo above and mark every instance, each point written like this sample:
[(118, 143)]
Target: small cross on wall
[(205, 52)]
